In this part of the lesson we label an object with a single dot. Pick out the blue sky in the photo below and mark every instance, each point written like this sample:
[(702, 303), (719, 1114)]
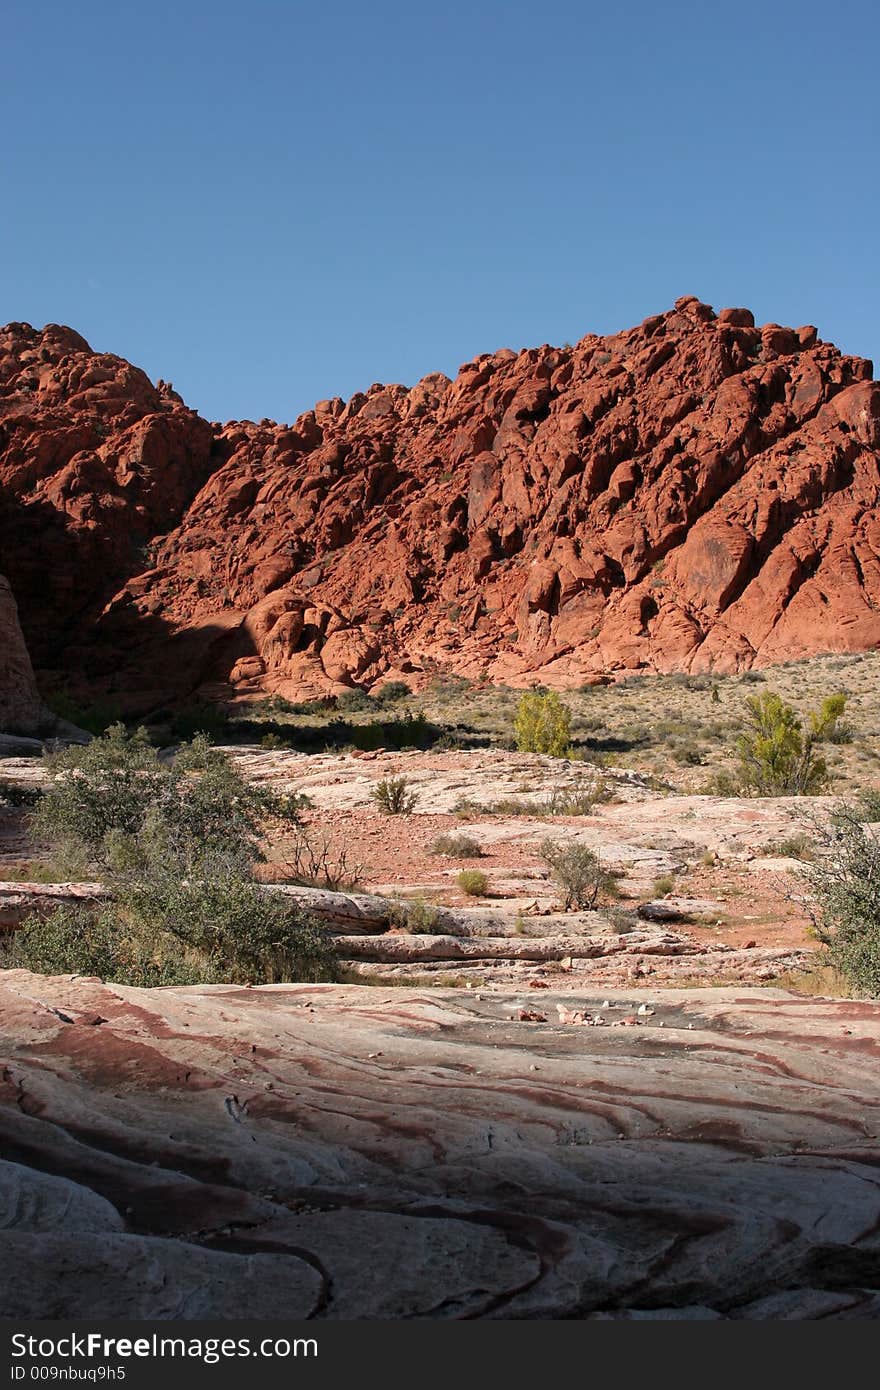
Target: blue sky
[(276, 202)]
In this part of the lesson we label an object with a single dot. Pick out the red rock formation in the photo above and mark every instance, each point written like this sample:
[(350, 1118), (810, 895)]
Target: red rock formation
[(694, 493), (94, 462)]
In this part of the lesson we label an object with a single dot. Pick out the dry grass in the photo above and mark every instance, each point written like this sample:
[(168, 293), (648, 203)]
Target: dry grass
[(677, 728)]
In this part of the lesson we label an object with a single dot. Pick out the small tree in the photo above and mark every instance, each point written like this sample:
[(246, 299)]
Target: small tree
[(543, 724), (776, 755)]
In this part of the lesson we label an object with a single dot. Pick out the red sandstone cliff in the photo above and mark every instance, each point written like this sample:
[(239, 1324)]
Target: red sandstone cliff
[(693, 493)]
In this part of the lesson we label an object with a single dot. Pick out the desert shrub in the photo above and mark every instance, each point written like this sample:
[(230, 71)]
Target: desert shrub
[(776, 755), (473, 882), (76, 940), (622, 921), (96, 789), (222, 928), (235, 929), (314, 861), (662, 885), (578, 800), (415, 915), (392, 692), (354, 701), (845, 883), (869, 804), (457, 847), (113, 806), (797, 846), (271, 742), (578, 872), (721, 783), (543, 724), (177, 845), (393, 796)]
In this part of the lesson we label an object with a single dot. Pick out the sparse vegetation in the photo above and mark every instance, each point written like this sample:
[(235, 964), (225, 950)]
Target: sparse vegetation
[(176, 845), (578, 872), (543, 724), (581, 799), (473, 882), (845, 883), (394, 796), (414, 915), (313, 860), (796, 846), (662, 885), (457, 847)]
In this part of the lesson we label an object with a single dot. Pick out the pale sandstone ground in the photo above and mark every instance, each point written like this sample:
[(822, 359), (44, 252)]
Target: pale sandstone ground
[(734, 904), (331, 1152), (572, 1135)]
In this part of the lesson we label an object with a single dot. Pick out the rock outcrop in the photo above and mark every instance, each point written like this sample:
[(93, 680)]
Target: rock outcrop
[(21, 709), (336, 1152), (695, 493)]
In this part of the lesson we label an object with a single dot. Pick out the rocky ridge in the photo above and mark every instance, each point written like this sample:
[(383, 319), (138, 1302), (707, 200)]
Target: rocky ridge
[(695, 493)]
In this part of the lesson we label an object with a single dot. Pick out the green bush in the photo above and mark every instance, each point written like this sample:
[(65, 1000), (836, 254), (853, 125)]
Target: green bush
[(578, 873), (393, 796), (96, 789), (776, 755), (354, 701), (473, 882), (845, 882), (543, 724), (457, 847), (112, 806), (392, 692), (177, 845), (220, 930), (414, 915), (239, 931)]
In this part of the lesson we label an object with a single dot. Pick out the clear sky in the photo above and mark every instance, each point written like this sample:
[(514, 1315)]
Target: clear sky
[(270, 203)]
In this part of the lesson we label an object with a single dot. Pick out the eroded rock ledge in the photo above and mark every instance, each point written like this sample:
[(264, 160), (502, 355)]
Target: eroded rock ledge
[(335, 1151)]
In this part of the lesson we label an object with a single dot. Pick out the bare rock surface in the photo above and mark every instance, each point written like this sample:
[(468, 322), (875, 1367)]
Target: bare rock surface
[(336, 1151)]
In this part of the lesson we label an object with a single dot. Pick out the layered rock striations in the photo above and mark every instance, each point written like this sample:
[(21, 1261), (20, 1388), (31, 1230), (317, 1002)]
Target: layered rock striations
[(695, 493), (323, 1151)]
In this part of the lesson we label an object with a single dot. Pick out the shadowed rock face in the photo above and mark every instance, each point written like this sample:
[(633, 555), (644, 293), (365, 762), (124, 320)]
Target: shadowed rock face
[(696, 492), (330, 1151), (21, 710)]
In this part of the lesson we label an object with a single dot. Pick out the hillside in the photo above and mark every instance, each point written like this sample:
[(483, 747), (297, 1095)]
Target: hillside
[(695, 493)]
